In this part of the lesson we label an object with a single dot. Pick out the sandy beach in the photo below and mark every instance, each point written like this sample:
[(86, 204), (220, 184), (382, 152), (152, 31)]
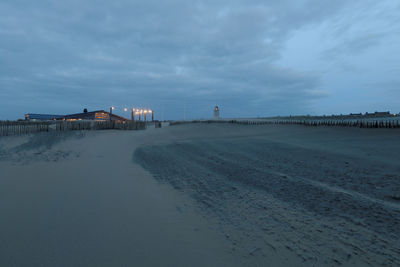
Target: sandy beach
[(202, 195)]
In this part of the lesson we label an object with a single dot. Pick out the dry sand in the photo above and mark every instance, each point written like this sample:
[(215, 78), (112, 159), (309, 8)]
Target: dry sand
[(202, 195)]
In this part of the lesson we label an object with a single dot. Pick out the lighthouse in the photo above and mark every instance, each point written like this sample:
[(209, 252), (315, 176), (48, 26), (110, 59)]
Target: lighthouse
[(216, 112)]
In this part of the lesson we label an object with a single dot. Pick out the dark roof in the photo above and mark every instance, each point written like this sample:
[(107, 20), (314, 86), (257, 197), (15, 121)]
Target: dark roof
[(90, 114), (33, 116), (85, 115)]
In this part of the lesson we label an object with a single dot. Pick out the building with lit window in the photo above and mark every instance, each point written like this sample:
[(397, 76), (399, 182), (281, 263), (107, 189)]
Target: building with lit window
[(98, 115)]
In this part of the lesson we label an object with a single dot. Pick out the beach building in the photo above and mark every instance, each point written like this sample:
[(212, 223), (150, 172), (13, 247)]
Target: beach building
[(98, 115)]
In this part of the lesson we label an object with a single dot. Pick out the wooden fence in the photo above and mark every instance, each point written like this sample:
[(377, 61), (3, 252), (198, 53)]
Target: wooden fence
[(342, 123), (8, 128)]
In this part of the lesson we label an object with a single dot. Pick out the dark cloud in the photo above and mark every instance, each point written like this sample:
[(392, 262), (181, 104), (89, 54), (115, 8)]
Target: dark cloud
[(60, 56)]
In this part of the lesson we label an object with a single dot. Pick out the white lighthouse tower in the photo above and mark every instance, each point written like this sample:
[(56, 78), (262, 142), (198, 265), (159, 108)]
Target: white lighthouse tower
[(216, 112)]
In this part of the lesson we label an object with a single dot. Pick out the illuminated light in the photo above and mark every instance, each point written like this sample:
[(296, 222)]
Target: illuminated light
[(125, 109), (145, 111), (150, 111), (112, 107)]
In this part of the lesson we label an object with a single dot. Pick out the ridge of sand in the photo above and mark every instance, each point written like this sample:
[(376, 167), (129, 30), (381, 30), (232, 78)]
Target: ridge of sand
[(283, 193)]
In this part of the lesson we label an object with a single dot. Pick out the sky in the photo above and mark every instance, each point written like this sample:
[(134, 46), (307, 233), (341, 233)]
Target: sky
[(252, 58)]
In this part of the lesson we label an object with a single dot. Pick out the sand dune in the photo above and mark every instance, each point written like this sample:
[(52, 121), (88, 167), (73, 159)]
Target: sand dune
[(202, 195)]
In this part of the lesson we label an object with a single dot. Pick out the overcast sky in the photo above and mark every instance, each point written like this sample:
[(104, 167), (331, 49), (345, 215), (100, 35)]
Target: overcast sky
[(250, 57)]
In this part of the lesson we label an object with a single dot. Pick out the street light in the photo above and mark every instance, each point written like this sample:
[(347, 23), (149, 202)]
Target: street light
[(133, 115), (111, 109), (152, 115)]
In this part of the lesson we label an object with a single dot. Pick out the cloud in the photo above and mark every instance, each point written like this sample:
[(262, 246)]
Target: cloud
[(355, 45), (362, 28), (58, 56), (389, 88)]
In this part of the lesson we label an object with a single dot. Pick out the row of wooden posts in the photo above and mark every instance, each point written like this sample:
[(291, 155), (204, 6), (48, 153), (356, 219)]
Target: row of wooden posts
[(8, 128), (343, 123)]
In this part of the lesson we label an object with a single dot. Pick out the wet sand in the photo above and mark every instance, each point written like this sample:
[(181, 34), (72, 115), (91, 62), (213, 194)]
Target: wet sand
[(202, 195), (82, 202)]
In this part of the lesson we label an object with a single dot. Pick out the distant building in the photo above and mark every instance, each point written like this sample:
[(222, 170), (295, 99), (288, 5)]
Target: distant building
[(98, 115), (378, 114), (216, 112), (41, 117)]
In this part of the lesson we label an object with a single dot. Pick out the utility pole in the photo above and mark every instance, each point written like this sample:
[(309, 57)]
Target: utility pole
[(184, 111)]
